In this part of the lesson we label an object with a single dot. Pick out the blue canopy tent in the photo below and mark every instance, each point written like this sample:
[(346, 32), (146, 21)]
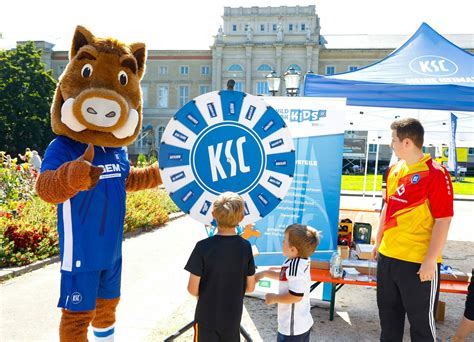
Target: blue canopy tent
[(426, 72)]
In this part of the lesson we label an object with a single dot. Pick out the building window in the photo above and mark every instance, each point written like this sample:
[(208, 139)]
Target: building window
[(303, 27), (160, 130), (238, 86), (235, 67), (205, 70), (290, 27), (61, 69), (264, 67), (204, 89), (163, 96), (163, 70), (352, 68), (274, 26), (470, 151), (262, 87), (145, 94), (372, 148), (183, 95), (330, 70), (296, 66), (262, 27), (234, 28), (184, 70)]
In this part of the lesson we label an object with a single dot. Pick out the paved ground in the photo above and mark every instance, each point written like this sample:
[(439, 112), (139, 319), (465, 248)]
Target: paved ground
[(155, 302), (153, 285)]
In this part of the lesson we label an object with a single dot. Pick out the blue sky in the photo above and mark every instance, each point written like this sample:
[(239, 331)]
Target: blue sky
[(191, 24)]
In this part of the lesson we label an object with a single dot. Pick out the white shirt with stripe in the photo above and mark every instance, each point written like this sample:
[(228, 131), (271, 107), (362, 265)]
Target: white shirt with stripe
[(295, 278)]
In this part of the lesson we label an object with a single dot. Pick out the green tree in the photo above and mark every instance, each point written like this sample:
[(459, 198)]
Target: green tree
[(26, 93)]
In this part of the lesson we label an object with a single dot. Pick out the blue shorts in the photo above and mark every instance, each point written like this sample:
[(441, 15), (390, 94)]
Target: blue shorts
[(79, 291)]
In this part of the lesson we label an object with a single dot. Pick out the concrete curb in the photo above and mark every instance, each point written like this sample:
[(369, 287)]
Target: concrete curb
[(12, 272)]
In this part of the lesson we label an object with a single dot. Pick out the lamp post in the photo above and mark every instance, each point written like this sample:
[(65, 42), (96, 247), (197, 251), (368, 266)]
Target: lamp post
[(273, 82), (292, 81)]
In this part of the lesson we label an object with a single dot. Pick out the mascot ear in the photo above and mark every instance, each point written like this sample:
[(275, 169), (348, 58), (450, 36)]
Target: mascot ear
[(139, 51), (81, 37)]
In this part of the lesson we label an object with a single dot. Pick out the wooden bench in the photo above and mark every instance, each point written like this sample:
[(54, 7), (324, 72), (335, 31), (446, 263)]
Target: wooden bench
[(319, 276)]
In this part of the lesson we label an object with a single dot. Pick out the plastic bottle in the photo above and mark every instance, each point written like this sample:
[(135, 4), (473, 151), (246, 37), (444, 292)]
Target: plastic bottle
[(335, 263)]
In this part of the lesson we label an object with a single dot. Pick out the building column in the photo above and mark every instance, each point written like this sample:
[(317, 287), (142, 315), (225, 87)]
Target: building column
[(217, 68), (315, 63), (309, 57), (248, 69), (278, 70)]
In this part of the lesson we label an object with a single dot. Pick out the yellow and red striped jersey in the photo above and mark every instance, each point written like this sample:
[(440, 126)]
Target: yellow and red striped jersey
[(416, 195)]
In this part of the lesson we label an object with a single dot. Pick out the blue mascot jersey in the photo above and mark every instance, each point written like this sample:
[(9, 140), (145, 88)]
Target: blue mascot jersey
[(90, 224)]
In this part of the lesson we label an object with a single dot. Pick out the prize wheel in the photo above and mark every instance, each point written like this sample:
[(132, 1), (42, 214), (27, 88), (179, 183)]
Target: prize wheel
[(227, 141)]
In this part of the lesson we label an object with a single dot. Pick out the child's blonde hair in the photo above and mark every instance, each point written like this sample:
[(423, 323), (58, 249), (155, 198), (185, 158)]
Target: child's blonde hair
[(228, 210), (305, 239)]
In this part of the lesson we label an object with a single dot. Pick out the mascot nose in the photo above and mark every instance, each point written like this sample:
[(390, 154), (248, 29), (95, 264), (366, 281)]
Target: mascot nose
[(101, 112)]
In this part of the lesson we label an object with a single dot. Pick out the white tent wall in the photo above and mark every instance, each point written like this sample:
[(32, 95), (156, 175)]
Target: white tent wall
[(435, 123), (376, 121)]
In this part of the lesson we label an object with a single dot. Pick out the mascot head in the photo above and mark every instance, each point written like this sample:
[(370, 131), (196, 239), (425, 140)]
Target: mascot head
[(98, 97)]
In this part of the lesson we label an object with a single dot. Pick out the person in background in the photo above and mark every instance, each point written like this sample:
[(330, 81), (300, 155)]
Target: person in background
[(294, 316), (413, 229), (466, 325), (35, 160), (221, 270), (27, 156), (230, 84)]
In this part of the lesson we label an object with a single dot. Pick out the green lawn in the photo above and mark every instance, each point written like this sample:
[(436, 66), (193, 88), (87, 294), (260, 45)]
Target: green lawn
[(356, 183)]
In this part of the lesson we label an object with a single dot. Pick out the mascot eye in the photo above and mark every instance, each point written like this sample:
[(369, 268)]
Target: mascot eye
[(123, 78), (86, 71)]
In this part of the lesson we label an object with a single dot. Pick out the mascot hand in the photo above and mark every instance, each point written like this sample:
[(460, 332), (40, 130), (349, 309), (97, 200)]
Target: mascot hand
[(82, 175)]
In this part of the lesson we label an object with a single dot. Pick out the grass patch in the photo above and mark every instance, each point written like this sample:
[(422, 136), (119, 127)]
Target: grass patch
[(356, 183)]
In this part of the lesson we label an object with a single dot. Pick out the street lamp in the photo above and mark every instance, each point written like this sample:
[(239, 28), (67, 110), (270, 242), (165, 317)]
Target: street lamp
[(292, 81), (273, 82)]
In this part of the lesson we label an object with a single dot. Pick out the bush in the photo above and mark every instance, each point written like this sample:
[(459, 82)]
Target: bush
[(147, 209), (17, 184), (29, 232), (28, 225)]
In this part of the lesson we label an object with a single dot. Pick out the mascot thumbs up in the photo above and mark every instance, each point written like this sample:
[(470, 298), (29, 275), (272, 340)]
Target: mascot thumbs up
[(97, 110)]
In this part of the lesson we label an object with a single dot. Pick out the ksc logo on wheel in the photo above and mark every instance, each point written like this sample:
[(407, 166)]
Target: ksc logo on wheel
[(226, 152)]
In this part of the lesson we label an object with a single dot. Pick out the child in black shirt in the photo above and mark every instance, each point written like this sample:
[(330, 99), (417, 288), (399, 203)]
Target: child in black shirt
[(221, 270)]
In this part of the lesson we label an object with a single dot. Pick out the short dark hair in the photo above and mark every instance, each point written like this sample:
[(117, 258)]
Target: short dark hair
[(305, 239), (409, 128), (230, 84)]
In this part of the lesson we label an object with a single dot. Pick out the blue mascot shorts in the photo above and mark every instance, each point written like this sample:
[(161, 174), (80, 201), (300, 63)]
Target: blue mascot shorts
[(79, 291)]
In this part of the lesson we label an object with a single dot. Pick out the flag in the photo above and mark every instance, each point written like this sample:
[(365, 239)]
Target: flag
[(452, 156)]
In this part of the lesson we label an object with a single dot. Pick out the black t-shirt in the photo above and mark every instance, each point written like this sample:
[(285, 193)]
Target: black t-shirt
[(223, 263)]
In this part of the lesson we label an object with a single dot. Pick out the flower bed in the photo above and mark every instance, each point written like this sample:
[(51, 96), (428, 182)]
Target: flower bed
[(28, 230)]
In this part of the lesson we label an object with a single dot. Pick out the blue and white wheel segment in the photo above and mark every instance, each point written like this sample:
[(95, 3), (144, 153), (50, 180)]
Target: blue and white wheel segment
[(227, 141)]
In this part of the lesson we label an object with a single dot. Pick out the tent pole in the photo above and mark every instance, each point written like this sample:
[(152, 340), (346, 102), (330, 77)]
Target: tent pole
[(366, 161), (376, 166)]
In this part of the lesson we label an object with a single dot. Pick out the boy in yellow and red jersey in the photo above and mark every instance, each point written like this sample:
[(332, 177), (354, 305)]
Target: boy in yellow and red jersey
[(413, 229)]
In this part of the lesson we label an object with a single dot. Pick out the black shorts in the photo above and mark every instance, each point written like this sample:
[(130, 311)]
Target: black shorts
[(204, 334), (469, 311), (295, 338)]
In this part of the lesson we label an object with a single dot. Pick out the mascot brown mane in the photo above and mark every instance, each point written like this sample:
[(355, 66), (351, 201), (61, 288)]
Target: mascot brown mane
[(97, 110), (98, 98)]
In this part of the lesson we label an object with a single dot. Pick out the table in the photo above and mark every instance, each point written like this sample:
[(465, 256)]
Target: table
[(319, 276)]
